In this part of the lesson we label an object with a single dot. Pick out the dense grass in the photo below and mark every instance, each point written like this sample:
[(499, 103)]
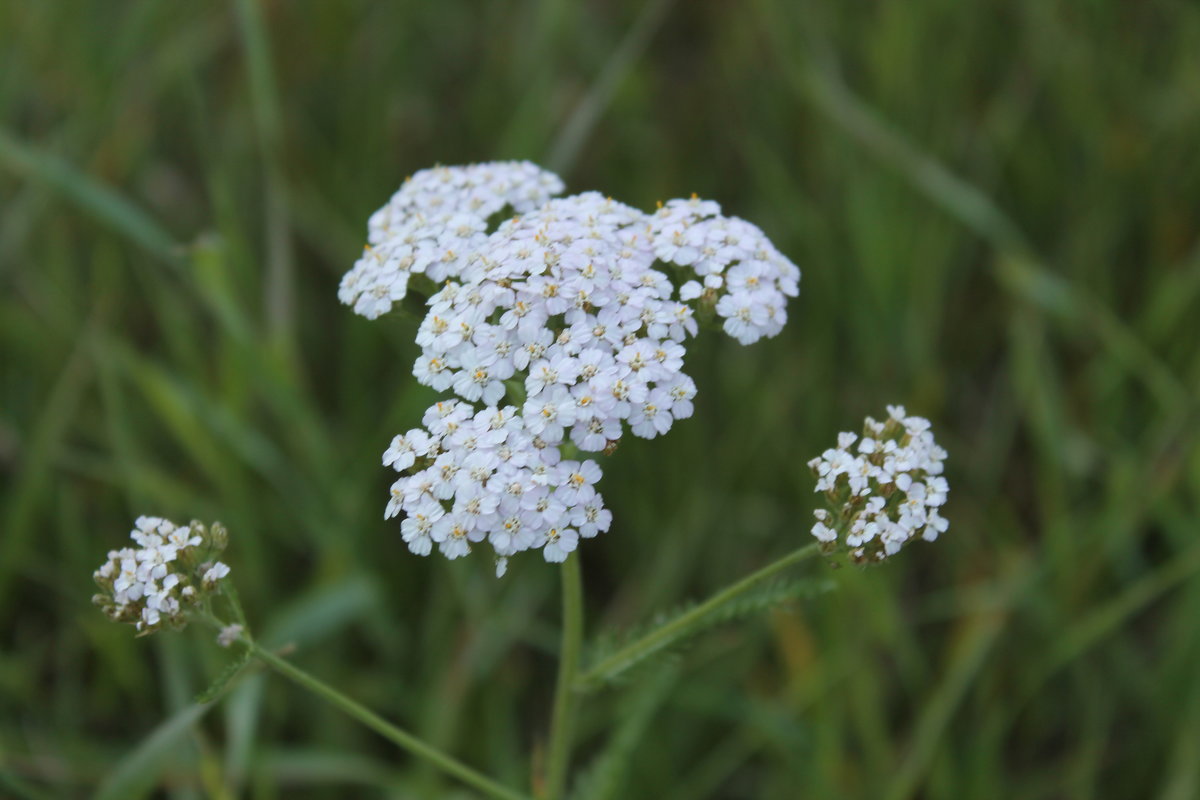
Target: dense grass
[(995, 206)]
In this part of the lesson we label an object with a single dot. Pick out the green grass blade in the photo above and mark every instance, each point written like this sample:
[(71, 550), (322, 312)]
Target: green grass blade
[(605, 777), (136, 775), (979, 636), (45, 439), (579, 126), (1107, 618), (1019, 268), (268, 115), (106, 205)]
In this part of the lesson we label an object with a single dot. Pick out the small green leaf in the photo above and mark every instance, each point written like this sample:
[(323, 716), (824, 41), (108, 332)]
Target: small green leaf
[(221, 682)]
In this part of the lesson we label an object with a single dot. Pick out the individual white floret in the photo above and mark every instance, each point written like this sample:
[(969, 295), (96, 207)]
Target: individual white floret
[(820, 530), (405, 449), (452, 534), (652, 417), (229, 634), (547, 414), (560, 542), (417, 528), (215, 573)]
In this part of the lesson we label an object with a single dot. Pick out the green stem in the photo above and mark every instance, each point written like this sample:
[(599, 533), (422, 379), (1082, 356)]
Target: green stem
[(565, 696), (664, 634), (384, 728)]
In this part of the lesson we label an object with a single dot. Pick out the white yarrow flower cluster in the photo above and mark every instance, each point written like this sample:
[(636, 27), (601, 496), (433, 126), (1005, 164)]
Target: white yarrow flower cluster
[(734, 263), (433, 222), (565, 300), (885, 489), (172, 567), (558, 329), (472, 476)]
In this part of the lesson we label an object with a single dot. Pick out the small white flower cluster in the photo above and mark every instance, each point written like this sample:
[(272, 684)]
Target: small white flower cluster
[(230, 634), (885, 492), (735, 262), (501, 481), (562, 311), (433, 223), (172, 567), (566, 298)]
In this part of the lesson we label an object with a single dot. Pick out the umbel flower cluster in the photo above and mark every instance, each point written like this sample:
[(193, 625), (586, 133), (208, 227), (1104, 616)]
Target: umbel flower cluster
[(556, 328), (173, 568), (884, 492)]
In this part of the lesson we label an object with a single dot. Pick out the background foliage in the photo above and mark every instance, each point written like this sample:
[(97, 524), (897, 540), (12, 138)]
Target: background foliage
[(994, 205)]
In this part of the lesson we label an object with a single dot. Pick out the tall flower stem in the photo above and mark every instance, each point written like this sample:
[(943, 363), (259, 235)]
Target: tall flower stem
[(670, 631), (565, 693), (387, 730)]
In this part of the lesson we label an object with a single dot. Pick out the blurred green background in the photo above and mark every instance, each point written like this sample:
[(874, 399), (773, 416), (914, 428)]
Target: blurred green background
[(995, 205)]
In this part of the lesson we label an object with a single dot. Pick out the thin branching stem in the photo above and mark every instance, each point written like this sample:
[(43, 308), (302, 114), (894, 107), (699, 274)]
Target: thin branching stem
[(668, 632), (565, 693), (387, 730)]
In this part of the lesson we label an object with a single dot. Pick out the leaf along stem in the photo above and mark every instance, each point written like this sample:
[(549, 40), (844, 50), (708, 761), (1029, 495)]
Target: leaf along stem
[(667, 632)]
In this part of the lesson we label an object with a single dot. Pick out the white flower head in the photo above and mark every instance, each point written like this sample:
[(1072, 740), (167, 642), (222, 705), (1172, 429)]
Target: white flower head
[(171, 570), (886, 492), (564, 323)]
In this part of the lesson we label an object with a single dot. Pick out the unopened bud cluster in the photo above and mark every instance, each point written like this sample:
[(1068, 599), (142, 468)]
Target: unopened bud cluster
[(884, 489), (173, 568), (576, 311)]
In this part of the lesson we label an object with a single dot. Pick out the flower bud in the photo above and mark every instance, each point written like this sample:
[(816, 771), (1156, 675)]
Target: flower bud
[(219, 536)]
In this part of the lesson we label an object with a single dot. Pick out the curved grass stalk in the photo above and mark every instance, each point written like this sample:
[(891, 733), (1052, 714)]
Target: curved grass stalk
[(387, 730)]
